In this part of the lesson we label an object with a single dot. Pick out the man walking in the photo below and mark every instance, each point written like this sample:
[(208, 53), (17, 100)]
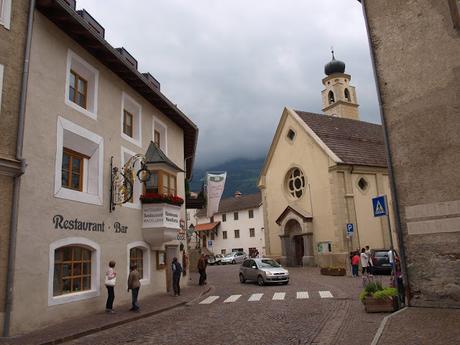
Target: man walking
[(134, 285), (176, 272), (202, 264)]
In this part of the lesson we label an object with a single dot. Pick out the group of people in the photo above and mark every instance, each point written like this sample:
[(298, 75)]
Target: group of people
[(364, 258), (134, 285)]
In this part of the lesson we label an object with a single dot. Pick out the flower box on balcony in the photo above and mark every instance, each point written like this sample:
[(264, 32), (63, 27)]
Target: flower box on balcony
[(156, 198), (160, 222)]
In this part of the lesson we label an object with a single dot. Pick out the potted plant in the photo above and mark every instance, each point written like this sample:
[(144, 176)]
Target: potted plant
[(378, 299), (333, 271), (156, 198)]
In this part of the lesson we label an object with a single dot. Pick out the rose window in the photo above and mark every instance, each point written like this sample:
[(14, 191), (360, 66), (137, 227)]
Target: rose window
[(295, 183)]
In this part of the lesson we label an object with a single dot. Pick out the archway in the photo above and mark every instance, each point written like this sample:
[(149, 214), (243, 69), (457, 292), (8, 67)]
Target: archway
[(294, 243)]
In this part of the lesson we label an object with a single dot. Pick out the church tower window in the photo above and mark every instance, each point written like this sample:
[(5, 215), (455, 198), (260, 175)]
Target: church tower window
[(331, 97), (347, 95)]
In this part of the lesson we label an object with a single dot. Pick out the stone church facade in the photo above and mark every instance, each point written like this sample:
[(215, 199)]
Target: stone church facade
[(320, 174)]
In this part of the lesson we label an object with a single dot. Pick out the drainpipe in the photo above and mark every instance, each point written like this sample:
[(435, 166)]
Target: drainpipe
[(399, 234), (17, 178)]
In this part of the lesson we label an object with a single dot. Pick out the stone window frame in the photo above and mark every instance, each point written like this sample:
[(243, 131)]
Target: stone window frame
[(364, 189), (146, 279), (5, 14), (95, 271), (92, 192), (291, 135), (91, 75), (135, 109), (454, 6)]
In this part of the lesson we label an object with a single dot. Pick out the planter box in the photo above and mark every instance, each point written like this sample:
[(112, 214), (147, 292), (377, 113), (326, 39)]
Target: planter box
[(379, 305), (327, 271)]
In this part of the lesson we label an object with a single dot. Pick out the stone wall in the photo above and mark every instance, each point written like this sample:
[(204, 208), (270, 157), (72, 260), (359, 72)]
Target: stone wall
[(416, 45)]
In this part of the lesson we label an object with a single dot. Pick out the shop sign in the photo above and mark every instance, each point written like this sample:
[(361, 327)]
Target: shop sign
[(60, 222), (160, 216)]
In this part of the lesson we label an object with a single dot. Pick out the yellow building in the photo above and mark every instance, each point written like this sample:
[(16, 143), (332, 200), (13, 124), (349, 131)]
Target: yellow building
[(320, 174)]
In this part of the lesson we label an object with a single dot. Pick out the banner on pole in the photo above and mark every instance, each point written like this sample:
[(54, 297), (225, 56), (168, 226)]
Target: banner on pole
[(215, 188)]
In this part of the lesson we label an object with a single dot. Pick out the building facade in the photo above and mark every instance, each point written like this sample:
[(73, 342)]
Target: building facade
[(13, 33), (419, 95), (90, 110), (238, 226), (320, 174)]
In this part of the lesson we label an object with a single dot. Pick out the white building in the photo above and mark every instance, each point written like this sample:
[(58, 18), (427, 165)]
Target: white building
[(238, 226)]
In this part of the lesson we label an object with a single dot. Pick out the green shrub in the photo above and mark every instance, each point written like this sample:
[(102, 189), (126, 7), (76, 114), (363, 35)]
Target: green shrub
[(376, 290), (385, 293)]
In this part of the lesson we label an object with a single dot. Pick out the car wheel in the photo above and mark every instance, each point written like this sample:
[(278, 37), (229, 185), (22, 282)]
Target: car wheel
[(233, 262), (242, 279), (260, 280)]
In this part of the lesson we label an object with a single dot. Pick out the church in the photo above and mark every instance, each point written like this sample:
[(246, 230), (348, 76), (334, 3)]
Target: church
[(320, 174)]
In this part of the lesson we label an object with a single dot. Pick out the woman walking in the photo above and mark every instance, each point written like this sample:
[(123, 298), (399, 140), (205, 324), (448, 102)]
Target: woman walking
[(110, 280)]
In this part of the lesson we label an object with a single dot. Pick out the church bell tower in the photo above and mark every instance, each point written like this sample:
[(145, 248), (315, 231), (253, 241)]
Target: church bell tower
[(339, 97)]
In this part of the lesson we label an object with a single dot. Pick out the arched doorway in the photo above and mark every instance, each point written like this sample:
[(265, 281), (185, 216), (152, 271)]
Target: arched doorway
[(294, 243)]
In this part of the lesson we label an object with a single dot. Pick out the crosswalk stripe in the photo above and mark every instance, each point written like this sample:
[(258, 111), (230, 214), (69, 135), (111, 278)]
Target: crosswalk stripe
[(255, 297), (279, 295), (302, 295), (232, 298), (325, 294), (209, 300)]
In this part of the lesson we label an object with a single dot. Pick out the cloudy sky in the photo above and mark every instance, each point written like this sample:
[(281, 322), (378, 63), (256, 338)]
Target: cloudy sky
[(232, 65)]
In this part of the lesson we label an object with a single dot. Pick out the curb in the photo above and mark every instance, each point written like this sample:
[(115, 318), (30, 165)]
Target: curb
[(379, 332), (208, 290), (122, 322)]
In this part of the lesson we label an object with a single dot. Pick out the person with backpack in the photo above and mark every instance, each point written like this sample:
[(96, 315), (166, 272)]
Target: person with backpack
[(176, 268)]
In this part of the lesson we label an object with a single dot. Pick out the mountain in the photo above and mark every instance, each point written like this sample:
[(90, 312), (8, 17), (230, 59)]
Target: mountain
[(242, 175)]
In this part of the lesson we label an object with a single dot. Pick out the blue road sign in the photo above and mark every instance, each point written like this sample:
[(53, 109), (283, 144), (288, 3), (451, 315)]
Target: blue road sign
[(350, 229), (210, 243), (379, 206)]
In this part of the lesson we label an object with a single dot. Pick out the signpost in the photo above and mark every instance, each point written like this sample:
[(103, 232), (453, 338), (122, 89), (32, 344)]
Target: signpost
[(350, 229)]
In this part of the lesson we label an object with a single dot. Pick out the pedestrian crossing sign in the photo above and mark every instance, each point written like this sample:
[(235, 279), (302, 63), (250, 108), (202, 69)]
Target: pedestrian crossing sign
[(379, 206)]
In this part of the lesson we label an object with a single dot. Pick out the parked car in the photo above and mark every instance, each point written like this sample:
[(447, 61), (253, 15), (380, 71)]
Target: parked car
[(215, 259), (263, 271), (381, 262), (234, 258)]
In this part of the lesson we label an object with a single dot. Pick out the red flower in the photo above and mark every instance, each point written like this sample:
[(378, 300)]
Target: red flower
[(150, 197)]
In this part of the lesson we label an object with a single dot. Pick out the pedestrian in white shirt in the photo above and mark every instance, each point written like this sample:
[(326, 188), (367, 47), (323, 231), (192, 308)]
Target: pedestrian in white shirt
[(364, 261)]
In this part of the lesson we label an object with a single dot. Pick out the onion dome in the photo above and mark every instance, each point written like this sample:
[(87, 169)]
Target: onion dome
[(334, 66)]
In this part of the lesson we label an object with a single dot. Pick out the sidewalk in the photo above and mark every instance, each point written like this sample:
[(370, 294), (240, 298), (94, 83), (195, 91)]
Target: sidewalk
[(77, 328), (421, 326)]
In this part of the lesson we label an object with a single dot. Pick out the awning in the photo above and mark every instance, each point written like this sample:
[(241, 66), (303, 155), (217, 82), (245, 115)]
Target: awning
[(207, 226)]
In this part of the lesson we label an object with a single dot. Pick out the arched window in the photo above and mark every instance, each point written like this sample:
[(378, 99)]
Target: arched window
[(72, 270), (347, 95), (295, 181), (331, 97), (136, 256)]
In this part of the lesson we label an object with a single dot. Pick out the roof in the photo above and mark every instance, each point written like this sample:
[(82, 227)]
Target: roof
[(81, 31), (306, 216), (233, 204), (206, 226), (155, 155), (354, 142)]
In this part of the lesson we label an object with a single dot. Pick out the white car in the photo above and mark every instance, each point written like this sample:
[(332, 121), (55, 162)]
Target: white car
[(233, 258)]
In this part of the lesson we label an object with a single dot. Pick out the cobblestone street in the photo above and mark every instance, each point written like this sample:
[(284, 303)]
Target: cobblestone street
[(314, 309)]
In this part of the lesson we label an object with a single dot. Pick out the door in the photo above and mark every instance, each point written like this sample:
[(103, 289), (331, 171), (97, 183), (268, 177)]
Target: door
[(299, 250), (171, 252)]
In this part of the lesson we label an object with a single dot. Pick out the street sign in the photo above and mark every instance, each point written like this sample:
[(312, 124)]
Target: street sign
[(210, 243), (379, 206), (350, 229)]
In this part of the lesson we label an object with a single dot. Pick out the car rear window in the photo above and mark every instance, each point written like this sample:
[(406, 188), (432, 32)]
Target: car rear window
[(380, 254)]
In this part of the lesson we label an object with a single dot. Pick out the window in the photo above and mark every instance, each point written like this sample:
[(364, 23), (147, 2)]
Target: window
[(213, 236), (5, 13), (162, 182), (224, 217), (331, 97), (237, 233), (79, 164), (291, 135), (160, 135), (211, 220), (251, 213), (131, 113), (72, 169), (224, 235), (235, 215), (362, 184), (252, 232), (347, 95), (295, 181), (128, 123), (72, 270), (78, 89), (81, 85), (223, 251), (136, 256)]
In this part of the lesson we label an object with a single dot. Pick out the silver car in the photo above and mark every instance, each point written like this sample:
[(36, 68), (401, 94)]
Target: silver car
[(263, 271), (233, 258)]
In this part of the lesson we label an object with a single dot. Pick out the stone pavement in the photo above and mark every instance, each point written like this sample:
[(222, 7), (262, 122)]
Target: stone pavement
[(421, 326), (76, 328)]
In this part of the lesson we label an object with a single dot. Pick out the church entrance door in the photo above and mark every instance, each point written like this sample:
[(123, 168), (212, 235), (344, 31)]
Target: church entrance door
[(299, 250)]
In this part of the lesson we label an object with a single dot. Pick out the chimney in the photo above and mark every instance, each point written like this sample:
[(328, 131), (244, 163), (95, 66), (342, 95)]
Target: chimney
[(238, 194)]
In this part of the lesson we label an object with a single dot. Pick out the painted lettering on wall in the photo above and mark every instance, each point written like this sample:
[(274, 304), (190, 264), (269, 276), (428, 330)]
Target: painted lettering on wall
[(120, 228), (76, 224)]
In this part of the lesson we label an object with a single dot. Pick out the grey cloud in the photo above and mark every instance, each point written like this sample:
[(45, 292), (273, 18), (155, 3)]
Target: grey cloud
[(232, 66)]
